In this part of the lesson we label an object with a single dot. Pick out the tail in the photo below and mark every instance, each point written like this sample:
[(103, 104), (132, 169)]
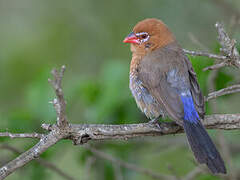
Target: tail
[(203, 148)]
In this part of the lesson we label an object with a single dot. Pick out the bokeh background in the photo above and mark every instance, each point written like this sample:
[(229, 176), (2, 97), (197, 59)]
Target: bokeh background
[(86, 36)]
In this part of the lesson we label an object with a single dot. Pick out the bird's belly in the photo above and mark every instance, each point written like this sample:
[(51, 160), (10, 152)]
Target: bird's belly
[(145, 101)]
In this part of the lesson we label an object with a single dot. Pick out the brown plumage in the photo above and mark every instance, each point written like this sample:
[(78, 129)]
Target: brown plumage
[(163, 82)]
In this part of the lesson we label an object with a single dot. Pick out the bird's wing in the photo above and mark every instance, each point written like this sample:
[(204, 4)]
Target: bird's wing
[(197, 95), (166, 75)]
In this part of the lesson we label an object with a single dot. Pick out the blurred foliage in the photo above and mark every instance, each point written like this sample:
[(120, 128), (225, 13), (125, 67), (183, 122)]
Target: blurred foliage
[(86, 36)]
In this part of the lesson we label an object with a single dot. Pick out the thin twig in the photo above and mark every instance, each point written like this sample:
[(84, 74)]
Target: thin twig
[(133, 167), (216, 66), (21, 135), (229, 90), (231, 55), (59, 102), (199, 53)]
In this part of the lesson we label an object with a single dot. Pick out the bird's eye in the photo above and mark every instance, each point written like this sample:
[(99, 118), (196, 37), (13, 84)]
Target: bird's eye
[(143, 36)]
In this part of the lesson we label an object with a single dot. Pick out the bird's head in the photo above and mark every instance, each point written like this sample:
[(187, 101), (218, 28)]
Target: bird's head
[(148, 35)]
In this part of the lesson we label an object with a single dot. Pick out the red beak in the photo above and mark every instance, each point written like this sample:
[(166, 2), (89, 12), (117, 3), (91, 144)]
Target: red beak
[(131, 38)]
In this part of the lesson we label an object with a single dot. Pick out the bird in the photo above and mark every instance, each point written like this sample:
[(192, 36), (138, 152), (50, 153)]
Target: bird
[(164, 84)]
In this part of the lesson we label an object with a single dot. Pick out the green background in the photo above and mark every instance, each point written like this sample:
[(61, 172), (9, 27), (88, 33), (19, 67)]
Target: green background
[(86, 36)]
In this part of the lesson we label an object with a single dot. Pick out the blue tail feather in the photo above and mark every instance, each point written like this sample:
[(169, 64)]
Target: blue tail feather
[(201, 144)]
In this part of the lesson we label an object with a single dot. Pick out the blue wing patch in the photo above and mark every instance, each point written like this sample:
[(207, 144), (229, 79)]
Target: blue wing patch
[(190, 113), (182, 88)]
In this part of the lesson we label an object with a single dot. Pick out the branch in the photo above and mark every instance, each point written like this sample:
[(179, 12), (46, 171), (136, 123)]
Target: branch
[(58, 130), (40, 161), (31, 154), (231, 55), (82, 133), (206, 54), (225, 91), (217, 66)]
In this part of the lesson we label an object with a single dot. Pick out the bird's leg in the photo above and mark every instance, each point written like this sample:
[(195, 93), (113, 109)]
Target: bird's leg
[(155, 122)]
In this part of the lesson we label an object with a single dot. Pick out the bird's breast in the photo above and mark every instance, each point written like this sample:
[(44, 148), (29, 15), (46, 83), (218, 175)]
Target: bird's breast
[(145, 101)]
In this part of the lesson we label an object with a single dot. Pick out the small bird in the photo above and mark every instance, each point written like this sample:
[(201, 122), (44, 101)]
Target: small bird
[(163, 83)]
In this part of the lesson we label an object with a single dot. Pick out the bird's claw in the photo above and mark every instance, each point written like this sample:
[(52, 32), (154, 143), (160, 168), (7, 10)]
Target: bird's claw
[(155, 122)]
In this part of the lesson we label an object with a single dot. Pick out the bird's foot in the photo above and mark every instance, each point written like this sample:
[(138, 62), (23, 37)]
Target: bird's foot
[(154, 122)]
